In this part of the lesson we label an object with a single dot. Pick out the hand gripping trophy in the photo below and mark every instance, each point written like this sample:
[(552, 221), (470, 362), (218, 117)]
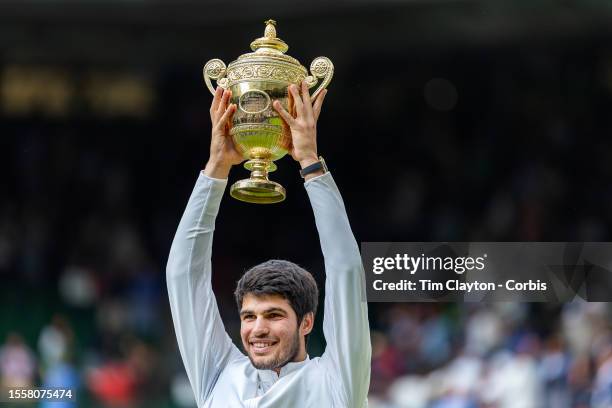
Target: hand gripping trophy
[(256, 80)]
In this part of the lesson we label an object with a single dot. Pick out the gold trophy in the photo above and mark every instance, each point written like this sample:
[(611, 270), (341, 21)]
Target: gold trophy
[(256, 79)]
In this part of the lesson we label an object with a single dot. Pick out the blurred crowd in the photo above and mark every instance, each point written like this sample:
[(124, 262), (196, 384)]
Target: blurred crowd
[(491, 145), (506, 355)]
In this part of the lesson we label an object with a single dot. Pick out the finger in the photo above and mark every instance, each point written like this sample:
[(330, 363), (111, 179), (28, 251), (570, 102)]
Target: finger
[(291, 105), (306, 98), (284, 114), (227, 114), (319, 103), (215, 102), (297, 99), (224, 99), (230, 120)]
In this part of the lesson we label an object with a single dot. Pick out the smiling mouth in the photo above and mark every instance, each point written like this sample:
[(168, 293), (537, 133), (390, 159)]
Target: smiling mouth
[(262, 347)]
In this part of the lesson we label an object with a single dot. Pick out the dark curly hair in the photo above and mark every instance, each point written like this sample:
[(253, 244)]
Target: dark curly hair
[(284, 278)]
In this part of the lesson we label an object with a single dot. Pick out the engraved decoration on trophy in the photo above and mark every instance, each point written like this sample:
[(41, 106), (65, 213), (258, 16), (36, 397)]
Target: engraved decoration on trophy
[(256, 79)]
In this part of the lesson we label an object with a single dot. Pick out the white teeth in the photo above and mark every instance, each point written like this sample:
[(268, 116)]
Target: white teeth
[(261, 345)]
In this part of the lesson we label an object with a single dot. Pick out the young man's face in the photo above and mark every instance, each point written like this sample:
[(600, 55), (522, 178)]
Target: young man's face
[(270, 333)]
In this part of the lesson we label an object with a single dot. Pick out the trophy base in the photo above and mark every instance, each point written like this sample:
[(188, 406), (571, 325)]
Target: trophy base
[(258, 191)]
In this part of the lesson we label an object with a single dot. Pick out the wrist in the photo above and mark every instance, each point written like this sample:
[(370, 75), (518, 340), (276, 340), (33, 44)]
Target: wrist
[(315, 169), (307, 161), (216, 169)]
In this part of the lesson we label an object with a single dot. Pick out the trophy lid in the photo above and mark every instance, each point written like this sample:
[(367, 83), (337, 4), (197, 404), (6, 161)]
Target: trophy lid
[(270, 40), (269, 47)]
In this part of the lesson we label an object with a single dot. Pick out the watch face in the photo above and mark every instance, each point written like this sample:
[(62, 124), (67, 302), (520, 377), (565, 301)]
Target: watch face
[(322, 160)]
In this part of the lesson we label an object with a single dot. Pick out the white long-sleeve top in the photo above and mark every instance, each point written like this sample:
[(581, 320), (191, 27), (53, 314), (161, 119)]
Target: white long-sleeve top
[(220, 374)]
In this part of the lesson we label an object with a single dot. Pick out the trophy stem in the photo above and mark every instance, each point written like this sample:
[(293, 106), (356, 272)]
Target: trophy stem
[(258, 188), (259, 169)]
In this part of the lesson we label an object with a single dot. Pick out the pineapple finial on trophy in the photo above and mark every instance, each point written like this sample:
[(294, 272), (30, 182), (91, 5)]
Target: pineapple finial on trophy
[(270, 29), (269, 42)]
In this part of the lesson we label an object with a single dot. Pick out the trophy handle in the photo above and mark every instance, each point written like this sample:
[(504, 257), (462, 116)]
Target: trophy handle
[(215, 69), (321, 67)]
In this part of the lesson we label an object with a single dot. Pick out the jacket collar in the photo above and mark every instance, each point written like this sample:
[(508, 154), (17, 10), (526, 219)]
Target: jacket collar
[(269, 377)]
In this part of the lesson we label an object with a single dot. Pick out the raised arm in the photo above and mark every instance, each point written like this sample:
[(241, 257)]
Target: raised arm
[(345, 322), (204, 345), (203, 342)]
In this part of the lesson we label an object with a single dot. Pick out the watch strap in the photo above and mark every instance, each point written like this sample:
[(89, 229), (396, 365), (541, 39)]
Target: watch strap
[(319, 165)]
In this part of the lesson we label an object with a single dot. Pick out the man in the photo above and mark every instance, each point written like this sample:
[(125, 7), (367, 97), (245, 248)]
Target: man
[(277, 299)]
